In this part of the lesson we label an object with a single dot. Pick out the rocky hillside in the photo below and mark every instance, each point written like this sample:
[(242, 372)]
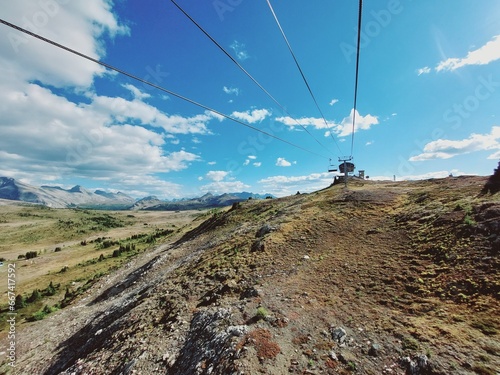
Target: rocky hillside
[(382, 278), (56, 197)]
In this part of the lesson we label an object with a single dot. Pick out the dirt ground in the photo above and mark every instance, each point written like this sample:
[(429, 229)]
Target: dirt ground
[(381, 278)]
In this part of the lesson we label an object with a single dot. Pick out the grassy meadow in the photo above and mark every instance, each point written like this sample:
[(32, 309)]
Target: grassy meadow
[(60, 253)]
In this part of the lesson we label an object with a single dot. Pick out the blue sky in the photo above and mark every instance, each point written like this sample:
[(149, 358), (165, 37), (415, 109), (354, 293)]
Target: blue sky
[(428, 96)]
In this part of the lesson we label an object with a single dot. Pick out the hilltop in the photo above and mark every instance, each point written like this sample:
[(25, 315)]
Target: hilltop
[(381, 278)]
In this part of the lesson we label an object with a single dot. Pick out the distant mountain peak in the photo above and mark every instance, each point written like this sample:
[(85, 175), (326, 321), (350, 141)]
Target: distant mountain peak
[(77, 189)]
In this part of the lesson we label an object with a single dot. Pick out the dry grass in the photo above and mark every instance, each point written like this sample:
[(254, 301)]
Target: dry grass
[(261, 339), (69, 244)]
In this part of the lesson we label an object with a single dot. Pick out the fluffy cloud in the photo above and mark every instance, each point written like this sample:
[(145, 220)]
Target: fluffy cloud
[(481, 56), (231, 90), (221, 187), (138, 94), (342, 129), (252, 116), (45, 136), (287, 185), (424, 176), (282, 162), (141, 186), (445, 148), (137, 111), (315, 122), (333, 101), (362, 123), (216, 176), (73, 23)]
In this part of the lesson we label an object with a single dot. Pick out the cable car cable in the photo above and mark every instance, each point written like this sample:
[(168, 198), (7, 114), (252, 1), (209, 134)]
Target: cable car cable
[(357, 74), (118, 70), (246, 72), (301, 72)]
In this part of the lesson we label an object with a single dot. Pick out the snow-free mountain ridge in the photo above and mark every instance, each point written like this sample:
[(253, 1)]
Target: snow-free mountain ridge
[(78, 196)]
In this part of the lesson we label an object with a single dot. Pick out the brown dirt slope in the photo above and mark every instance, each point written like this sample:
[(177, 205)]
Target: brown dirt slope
[(382, 278)]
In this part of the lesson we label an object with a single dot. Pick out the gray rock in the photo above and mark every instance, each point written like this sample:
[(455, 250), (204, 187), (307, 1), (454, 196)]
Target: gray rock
[(258, 245), (419, 365), (374, 350), (265, 229), (339, 335), (210, 336)]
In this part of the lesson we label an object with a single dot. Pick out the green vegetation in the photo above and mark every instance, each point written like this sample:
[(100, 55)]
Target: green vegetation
[(409, 343), (488, 327), (31, 255), (72, 264), (262, 313)]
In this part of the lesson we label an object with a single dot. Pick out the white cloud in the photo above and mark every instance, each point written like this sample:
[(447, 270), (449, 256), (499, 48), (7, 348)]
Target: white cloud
[(445, 148), (282, 162), (221, 187), (287, 185), (239, 50), (196, 140), (216, 176), (138, 94), (50, 135), (212, 163), (423, 176), (317, 123), (495, 156), (252, 116), (344, 128), (252, 157), (333, 101), (124, 111), (231, 90), (247, 161), (369, 143), (73, 23), (481, 56), (424, 70), (141, 186), (257, 164), (362, 123)]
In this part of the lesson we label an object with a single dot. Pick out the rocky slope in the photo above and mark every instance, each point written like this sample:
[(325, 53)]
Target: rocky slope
[(382, 278)]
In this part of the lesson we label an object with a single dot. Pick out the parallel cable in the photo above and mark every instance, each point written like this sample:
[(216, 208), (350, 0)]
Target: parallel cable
[(301, 72), (246, 72), (357, 74), (118, 70)]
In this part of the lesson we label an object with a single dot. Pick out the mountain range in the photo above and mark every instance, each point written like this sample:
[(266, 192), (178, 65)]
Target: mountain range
[(57, 197), (78, 196), (206, 201)]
